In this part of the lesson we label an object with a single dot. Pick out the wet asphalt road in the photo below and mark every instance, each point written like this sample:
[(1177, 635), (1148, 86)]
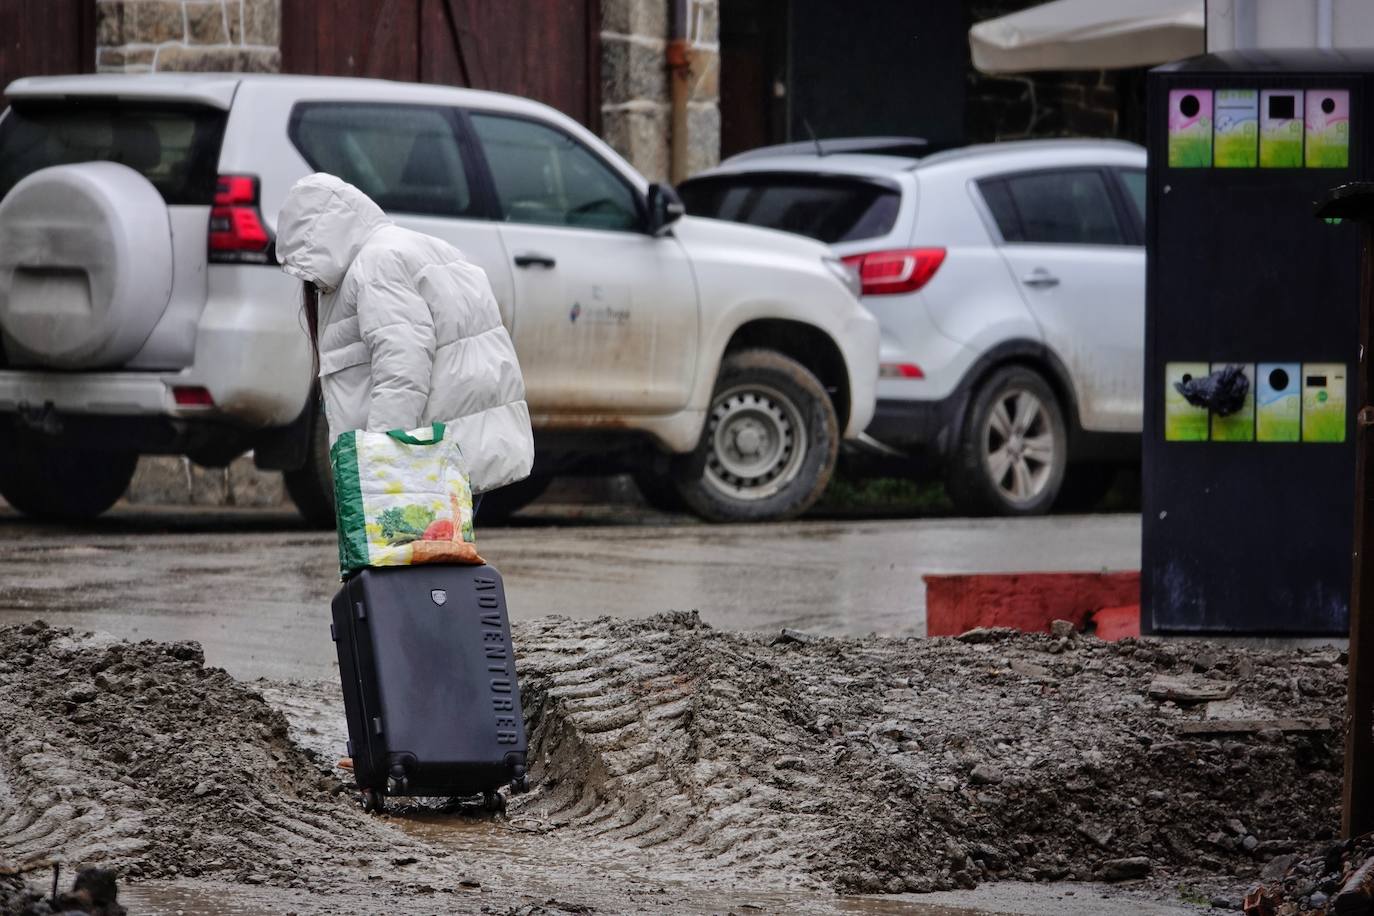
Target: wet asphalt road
[(253, 586)]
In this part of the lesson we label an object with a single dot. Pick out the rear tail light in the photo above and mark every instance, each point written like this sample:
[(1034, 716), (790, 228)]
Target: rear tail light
[(192, 396), (900, 370), (903, 270), (237, 233)]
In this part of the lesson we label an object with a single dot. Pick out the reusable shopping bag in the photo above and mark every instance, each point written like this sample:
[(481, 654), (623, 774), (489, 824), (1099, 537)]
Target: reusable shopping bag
[(402, 499)]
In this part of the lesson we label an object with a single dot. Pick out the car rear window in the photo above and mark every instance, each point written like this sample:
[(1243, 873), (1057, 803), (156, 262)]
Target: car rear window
[(827, 209), (175, 147)]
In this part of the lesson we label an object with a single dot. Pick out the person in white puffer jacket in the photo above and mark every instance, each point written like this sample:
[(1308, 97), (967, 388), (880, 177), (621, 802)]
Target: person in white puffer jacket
[(406, 330)]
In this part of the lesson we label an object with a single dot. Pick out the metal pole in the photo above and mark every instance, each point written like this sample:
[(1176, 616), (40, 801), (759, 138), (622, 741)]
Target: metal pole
[(1356, 201), (1357, 809)]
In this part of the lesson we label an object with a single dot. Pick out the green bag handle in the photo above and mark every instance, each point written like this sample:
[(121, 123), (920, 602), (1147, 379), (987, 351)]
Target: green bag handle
[(401, 435)]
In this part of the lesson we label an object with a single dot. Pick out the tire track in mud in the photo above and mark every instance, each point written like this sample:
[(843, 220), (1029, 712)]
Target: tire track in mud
[(137, 755), (663, 748), (904, 764)]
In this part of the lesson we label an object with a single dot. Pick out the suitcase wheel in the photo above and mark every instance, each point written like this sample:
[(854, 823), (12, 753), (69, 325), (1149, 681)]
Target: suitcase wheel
[(494, 802), (520, 784), (373, 802)]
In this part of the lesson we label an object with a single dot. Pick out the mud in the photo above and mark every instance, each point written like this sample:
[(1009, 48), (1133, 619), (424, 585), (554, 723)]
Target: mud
[(916, 765), (254, 588), (679, 769), (139, 756)]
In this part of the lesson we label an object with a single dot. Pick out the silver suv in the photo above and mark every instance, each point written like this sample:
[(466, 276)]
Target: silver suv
[(1009, 281)]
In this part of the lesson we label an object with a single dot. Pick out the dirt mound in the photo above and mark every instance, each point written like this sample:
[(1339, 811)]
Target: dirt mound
[(870, 764), (138, 755), (886, 764)]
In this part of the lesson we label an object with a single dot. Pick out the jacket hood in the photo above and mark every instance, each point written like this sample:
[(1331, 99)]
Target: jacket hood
[(323, 224)]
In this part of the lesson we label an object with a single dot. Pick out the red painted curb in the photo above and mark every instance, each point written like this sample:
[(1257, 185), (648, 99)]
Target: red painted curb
[(1026, 601), (1112, 623)]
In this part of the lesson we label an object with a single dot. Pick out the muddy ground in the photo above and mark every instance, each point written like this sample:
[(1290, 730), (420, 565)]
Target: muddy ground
[(684, 769)]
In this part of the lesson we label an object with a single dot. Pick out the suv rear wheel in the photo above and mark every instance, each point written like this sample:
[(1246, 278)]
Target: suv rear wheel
[(769, 446), (63, 483), (1011, 454), (311, 487)]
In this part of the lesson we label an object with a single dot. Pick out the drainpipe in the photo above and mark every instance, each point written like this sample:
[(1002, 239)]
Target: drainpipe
[(680, 82), (1325, 31)]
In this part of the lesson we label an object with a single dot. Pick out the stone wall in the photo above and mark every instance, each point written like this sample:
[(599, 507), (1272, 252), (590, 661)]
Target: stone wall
[(139, 36), (635, 94)]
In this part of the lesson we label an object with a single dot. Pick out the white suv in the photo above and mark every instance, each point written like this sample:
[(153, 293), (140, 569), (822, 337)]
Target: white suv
[(1009, 280), (142, 313)]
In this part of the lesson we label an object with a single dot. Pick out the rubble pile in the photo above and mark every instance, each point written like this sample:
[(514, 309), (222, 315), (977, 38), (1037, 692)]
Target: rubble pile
[(886, 764), (1338, 878)]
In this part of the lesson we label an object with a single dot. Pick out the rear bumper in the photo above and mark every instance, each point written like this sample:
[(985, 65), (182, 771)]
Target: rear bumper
[(255, 399), (133, 411), (912, 426), (859, 347), (109, 393)]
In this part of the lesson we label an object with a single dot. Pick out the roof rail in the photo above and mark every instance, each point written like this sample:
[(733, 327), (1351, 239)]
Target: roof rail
[(883, 146)]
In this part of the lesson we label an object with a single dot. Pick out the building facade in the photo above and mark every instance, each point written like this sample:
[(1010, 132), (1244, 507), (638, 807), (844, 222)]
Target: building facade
[(741, 73)]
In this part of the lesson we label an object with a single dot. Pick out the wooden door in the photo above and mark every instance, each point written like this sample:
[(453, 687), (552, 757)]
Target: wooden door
[(40, 37), (544, 49)]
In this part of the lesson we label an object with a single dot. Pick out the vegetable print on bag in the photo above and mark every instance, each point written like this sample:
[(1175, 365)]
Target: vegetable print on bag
[(402, 499)]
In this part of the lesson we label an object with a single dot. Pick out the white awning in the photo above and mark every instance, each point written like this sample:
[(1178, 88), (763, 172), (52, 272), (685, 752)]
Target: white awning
[(1090, 35)]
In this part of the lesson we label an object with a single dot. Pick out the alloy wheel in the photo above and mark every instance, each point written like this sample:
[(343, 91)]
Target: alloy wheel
[(1019, 446)]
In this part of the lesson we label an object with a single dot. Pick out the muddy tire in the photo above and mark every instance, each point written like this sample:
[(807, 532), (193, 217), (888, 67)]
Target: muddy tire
[(1011, 455), (503, 502), (63, 484), (769, 446), (311, 487)]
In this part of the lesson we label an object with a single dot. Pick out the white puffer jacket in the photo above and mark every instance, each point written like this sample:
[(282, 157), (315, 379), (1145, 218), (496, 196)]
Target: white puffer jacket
[(409, 330)]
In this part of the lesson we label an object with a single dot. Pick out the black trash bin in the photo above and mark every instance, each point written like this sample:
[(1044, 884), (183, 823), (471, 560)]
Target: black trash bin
[(1248, 512)]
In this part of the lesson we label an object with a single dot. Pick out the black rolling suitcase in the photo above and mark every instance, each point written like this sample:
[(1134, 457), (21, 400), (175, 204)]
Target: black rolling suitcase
[(429, 686)]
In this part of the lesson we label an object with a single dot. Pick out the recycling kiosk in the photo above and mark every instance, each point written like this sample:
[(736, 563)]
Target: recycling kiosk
[(1248, 517)]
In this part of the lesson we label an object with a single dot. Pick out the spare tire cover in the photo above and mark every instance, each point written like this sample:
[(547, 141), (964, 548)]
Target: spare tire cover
[(85, 265)]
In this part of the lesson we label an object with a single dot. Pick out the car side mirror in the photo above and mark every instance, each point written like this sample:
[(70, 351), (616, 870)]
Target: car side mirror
[(665, 208)]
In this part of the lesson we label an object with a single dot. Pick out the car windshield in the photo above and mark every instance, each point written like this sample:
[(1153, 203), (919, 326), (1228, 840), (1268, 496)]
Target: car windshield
[(175, 147), (828, 209)]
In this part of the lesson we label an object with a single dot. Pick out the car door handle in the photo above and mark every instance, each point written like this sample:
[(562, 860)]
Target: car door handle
[(1040, 278), (534, 259)]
